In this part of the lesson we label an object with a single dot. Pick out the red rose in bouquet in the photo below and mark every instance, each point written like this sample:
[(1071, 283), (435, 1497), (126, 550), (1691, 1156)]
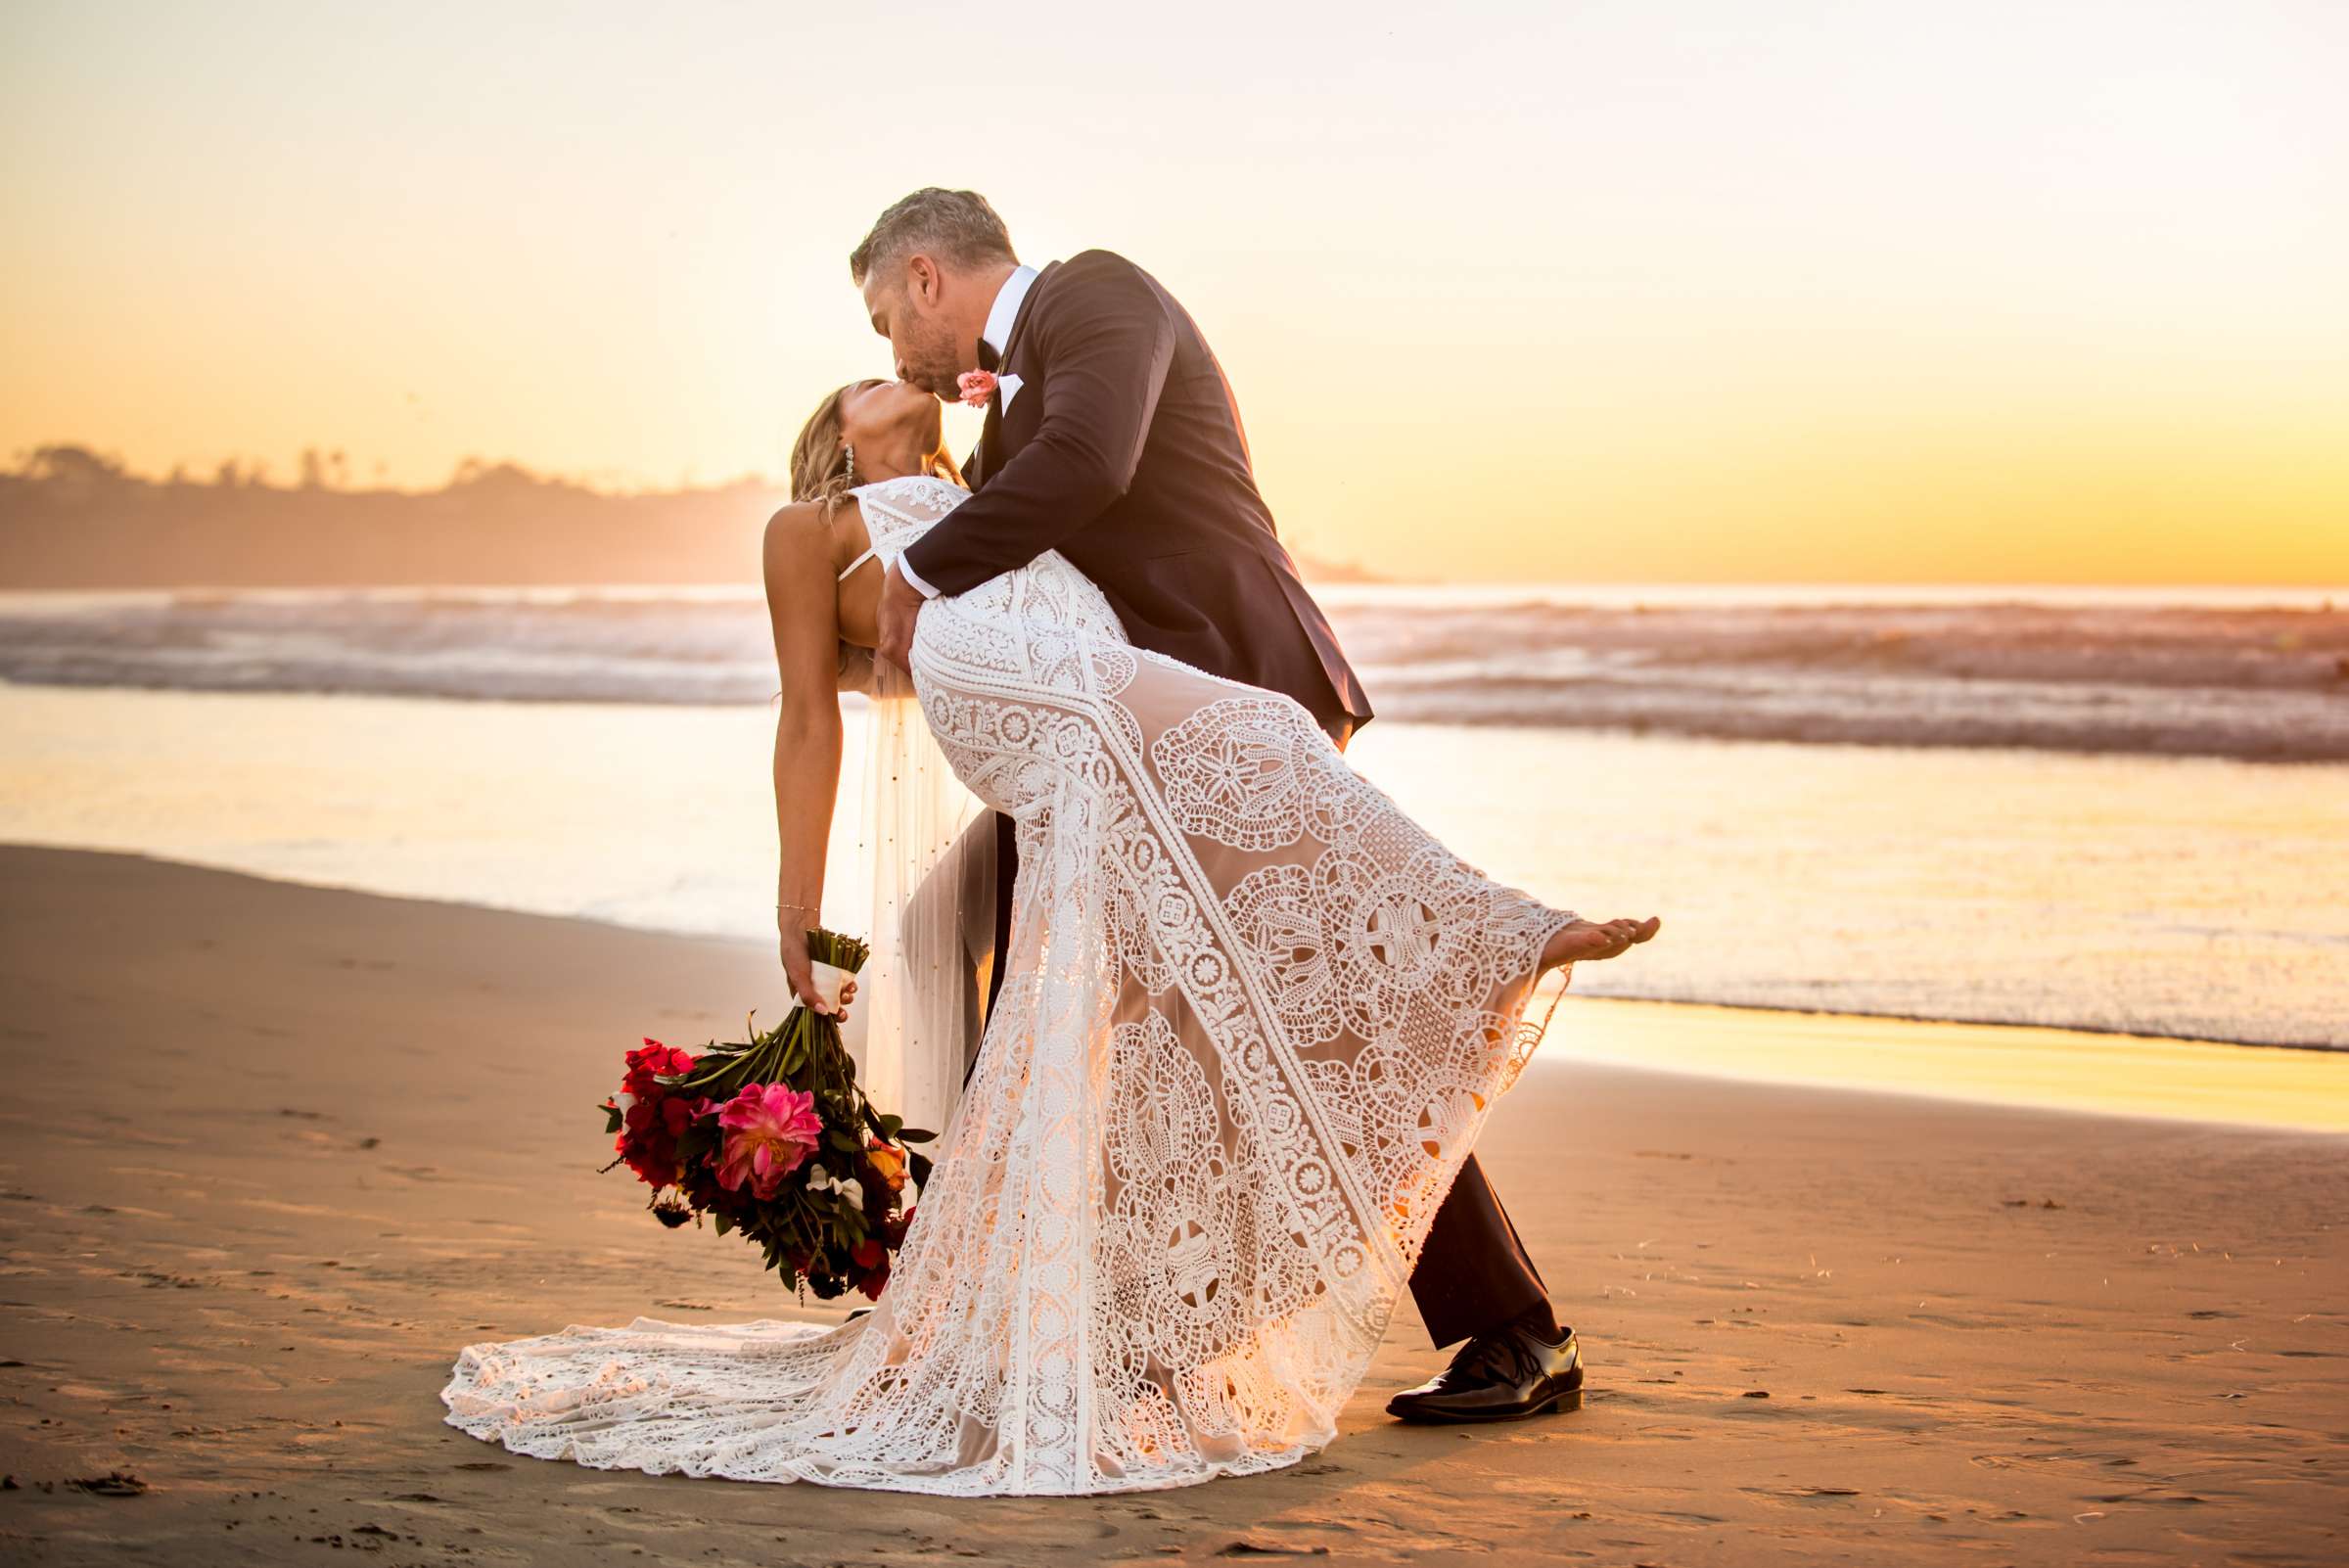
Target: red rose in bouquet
[(772, 1138), (651, 1116)]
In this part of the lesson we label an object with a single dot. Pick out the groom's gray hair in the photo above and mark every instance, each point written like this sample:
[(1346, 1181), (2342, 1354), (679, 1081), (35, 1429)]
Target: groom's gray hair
[(955, 226)]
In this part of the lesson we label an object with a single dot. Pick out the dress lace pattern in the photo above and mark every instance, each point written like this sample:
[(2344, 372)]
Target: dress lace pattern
[(1254, 1019)]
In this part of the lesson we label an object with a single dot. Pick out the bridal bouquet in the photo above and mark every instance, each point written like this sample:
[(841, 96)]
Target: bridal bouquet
[(773, 1138)]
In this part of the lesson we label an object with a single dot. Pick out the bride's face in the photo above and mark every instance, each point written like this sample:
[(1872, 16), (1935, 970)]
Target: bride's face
[(892, 424)]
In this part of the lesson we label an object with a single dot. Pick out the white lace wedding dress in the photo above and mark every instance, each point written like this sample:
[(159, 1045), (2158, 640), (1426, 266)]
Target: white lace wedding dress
[(1255, 1018)]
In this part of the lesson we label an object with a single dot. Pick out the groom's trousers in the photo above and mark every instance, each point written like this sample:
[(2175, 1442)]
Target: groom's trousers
[(1473, 1273)]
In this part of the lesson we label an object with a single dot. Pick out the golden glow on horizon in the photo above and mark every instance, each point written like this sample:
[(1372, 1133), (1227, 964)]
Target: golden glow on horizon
[(1709, 294)]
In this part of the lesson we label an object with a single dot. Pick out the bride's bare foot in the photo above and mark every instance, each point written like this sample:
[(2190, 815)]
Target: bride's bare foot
[(1585, 941)]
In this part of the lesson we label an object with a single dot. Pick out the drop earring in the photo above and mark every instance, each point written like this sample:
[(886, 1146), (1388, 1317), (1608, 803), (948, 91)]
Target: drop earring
[(850, 453)]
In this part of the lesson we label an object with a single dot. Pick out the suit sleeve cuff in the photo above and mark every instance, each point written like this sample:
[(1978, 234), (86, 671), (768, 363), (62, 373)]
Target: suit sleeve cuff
[(906, 570)]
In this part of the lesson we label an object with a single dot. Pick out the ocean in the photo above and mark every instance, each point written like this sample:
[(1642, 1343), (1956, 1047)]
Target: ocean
[(2095, 809), (2259, 674)]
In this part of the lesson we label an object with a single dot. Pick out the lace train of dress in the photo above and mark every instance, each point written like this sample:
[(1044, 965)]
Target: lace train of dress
[(1254, 1019)]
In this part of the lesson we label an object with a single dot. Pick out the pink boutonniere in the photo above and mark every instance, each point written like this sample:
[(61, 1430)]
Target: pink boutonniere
[(977, 386)]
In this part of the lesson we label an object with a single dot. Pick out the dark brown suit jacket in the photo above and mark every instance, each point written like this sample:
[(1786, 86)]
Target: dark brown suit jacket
[(1124, 452)]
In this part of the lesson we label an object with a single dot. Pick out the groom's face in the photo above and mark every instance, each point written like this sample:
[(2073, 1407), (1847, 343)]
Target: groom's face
[(908, 306)]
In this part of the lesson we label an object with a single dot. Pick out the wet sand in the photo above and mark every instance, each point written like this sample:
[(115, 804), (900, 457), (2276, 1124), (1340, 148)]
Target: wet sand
[(277, 1152)]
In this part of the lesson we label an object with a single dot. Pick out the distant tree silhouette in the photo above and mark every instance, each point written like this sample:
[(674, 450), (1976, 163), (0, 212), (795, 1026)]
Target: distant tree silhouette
[(65, 464), (76, 477)]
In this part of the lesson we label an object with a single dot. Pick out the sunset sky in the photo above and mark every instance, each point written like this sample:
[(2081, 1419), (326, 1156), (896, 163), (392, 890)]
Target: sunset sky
[(2043, 292)]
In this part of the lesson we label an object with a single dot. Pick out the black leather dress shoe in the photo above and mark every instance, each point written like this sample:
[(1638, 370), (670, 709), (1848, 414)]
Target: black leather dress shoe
[(1501, 1375)]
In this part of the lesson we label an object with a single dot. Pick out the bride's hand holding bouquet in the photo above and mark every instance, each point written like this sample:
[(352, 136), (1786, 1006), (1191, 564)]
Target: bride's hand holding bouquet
[(819, 986)]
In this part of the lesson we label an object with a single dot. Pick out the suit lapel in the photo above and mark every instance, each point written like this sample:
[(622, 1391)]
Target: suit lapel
[(989, 455), (990, 442), (1028, 308), (992, 438)]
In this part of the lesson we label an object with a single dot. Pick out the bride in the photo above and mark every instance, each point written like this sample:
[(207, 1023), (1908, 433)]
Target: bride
[(1253, 1020)]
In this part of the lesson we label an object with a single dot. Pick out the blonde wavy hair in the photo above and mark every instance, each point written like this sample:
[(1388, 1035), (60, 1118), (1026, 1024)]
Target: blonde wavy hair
[(819, 458)]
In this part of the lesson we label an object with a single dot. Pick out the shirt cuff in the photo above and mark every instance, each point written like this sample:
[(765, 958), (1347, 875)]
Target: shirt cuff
[(906, 570)]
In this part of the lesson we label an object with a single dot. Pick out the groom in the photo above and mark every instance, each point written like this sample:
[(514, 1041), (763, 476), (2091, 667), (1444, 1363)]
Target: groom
[(1112, 436)]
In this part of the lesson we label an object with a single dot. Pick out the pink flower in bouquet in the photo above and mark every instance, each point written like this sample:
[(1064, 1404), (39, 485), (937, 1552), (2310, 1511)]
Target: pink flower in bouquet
[(770, 1129), (977, 386)]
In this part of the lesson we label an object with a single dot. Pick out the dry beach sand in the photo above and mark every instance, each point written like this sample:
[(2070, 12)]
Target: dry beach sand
[(275, 1153)]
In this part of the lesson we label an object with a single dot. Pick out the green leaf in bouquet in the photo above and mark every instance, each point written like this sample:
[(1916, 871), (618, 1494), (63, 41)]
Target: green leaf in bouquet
[(614, 1117), (721, 1071), (698, 1140), (915, 1134), (724, 1223), (718, 1073)]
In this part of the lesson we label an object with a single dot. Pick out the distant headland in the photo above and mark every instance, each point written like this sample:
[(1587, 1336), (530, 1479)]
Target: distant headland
[(71, 517)]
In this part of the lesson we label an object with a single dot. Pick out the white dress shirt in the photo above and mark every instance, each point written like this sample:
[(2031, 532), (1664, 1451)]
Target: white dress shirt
[(1005, 311), (999, 318)]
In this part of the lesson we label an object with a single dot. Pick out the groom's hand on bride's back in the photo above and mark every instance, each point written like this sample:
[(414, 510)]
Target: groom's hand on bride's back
[(901, 602)]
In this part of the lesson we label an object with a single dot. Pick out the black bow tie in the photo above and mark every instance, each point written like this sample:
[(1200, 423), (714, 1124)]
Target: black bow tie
[(988, 357)]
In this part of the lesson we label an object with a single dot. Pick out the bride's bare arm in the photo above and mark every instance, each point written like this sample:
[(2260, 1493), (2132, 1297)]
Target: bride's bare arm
[(802, 603)]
